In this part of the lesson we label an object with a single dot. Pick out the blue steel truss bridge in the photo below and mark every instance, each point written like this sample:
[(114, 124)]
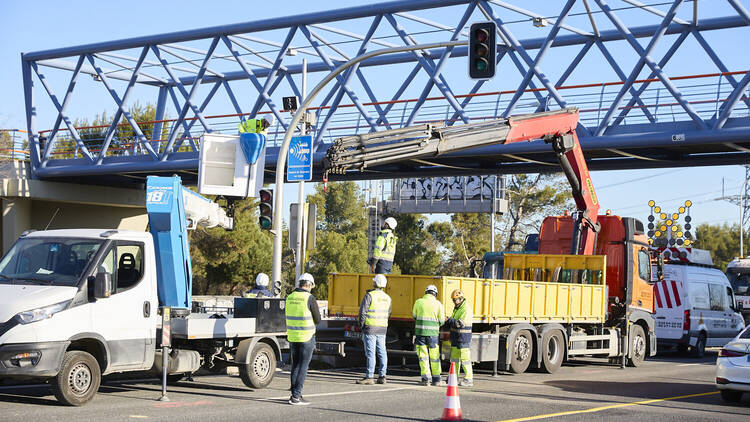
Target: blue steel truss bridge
[(627, 65)]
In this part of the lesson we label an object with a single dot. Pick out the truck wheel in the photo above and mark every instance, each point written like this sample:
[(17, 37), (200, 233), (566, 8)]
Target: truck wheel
[(553, 346), (637, 346), (261, 369), (699, 350), (731, 396), (521, 353), (78, 380)]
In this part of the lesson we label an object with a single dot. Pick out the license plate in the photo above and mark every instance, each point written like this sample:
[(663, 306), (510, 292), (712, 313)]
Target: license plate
[(352, 334)]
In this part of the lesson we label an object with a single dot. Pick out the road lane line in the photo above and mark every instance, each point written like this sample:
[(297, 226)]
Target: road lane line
[(689, 364), (601, 408)]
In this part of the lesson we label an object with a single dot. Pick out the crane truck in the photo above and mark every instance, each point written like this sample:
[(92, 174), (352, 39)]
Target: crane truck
[(78, 304), (588, 291)]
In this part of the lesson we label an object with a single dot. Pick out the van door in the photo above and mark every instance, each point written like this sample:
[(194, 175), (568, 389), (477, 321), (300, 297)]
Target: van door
[(124, 319), (669, 304)]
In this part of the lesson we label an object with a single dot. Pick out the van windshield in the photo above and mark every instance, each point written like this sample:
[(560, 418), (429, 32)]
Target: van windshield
[(740, 279), (48, 261)]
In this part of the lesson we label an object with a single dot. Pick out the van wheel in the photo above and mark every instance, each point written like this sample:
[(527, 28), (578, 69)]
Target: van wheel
[(637, 346), (553, 346), (523, 349), (699, 350), (78, 380), (731, 396), (261, 369)]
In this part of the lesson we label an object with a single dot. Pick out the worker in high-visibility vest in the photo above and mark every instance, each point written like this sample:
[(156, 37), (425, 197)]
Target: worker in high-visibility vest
[(254, 126), (429, 315), (385, 248), (374, 312), (260, 289), (460, 325), (302, 315)]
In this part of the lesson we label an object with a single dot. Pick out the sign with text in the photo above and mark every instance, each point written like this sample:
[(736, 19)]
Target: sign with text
[(299, 159)]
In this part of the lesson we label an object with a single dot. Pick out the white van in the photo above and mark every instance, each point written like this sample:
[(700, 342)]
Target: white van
[(695, 307)]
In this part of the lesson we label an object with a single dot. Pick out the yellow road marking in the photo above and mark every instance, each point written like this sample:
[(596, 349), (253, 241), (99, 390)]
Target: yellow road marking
[(601, 408)]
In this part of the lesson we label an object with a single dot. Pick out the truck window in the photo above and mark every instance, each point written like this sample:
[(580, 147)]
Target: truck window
[(129, 265), (716, 296), (699, 296), (47, 260), (740, 281), (644, 265)]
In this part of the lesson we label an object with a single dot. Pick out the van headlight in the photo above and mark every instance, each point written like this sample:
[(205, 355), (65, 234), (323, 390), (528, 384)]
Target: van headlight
[(38, 314)]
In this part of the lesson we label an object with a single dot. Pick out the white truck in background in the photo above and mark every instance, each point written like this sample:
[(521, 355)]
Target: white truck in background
[(79, 304), (738, 273), (694, 304)]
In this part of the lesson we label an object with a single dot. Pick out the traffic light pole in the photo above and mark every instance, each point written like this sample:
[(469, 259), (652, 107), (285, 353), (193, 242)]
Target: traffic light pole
[(284, 150), (301, 187)]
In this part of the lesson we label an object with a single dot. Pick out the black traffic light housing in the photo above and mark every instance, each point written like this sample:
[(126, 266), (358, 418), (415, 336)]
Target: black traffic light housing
[(482, 50), (265, 211)]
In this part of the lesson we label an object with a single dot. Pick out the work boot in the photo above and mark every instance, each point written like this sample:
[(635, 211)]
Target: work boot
[(425, 383), (466, 382), (381, 380), (366, 381)]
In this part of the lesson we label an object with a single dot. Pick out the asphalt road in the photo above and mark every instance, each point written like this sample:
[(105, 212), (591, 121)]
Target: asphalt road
[(668, 388)]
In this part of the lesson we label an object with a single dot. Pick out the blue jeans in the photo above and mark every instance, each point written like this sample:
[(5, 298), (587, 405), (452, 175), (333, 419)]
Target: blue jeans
[(301, 357), (375, 343)]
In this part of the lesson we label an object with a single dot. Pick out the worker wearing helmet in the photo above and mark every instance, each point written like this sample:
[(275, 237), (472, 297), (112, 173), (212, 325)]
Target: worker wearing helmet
[(261, 287), (374, 312), (429, 315), (302, 315), (460, 325), (385, 248)]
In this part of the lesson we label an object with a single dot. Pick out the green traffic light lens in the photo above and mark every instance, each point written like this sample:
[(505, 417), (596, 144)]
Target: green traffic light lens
[(265, 223), (480, 64)]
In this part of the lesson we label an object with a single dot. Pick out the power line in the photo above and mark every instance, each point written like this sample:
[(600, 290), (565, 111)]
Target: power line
[(639, 179)]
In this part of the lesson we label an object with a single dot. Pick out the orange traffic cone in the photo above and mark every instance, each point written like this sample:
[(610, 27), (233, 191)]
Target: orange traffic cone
[(452, 410)]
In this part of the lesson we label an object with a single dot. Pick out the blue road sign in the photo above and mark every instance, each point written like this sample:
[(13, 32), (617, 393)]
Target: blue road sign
[(299, 159)]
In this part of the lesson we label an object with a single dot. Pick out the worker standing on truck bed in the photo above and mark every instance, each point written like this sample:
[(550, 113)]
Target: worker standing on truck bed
[(429, 315), (374, 312), (261, 287), (385, 248), (460, 325), (302, 314)]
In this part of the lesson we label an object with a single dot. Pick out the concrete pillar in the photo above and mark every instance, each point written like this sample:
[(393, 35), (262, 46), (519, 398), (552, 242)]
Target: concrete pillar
[(16, 219)]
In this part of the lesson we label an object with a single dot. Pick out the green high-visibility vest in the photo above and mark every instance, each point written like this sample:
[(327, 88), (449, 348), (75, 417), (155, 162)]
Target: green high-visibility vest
[(385, 245), (377, 313), (299, 321), (464, 314), (429, 315)]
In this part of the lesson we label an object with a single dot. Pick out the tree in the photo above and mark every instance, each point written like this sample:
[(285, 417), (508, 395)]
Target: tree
[(416, 250), (722, 241), (342, 243)]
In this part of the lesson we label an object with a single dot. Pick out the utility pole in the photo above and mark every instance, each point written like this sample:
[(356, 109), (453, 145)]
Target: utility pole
[(742, 201), (301, 186)]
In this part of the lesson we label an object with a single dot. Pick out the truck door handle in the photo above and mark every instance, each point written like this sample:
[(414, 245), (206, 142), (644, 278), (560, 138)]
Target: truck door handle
[(146, 309)]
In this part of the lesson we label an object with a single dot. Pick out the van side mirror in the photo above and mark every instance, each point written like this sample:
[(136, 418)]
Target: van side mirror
[(102, 284)]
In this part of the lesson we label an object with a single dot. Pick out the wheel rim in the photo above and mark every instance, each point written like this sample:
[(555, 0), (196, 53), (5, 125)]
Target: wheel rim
[(79, 379), (553, 349), (639, 346), (262, 365), (522, 348)]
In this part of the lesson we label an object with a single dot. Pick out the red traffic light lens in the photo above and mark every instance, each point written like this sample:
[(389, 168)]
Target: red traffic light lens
[(481, 35), (265, 196)]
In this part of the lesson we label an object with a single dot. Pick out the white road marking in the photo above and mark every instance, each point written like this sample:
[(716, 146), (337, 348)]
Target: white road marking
[(689, 364)]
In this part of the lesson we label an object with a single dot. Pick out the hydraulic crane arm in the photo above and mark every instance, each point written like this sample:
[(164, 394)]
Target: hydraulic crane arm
[(430, 140)]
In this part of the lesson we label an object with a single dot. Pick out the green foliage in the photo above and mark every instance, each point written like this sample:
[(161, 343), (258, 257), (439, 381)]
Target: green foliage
[(416, 251), (723, 241)]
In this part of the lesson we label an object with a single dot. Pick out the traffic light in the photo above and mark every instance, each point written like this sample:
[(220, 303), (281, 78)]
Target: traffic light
[(265, 218), (482, 50)]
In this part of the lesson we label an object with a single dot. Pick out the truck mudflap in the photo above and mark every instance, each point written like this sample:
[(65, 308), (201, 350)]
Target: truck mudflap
[(32, 360)]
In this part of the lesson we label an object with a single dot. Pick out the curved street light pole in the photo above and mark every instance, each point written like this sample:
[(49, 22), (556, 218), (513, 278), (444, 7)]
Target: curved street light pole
[(281, 161)]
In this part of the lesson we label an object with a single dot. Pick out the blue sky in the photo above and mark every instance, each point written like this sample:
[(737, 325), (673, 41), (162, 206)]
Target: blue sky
[(40, 25)]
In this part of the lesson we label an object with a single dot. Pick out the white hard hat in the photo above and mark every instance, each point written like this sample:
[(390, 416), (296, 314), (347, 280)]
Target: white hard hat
[(391, 222), (380, 280), (431, 289), (307, 277), (261, 280)]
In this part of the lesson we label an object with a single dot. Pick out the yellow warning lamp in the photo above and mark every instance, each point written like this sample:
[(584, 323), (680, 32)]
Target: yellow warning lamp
[(674, 228), (688, 242), (663, 228), (679, 234), (688, 203), (669, 222), (657, 209), (651, 203), (682, 210), (663, 216), (650, 241), (675, 216), (657, 233)]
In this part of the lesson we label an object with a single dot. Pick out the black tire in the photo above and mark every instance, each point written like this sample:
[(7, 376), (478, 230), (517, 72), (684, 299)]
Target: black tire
[(261, 369), (78, 380), (521, 351), (682, 348), (699, 350), (638, 346), (731, 396), (553, 351)]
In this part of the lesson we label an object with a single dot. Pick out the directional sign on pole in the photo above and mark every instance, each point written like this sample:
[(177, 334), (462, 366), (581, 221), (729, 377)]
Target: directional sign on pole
[(299, 167)]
